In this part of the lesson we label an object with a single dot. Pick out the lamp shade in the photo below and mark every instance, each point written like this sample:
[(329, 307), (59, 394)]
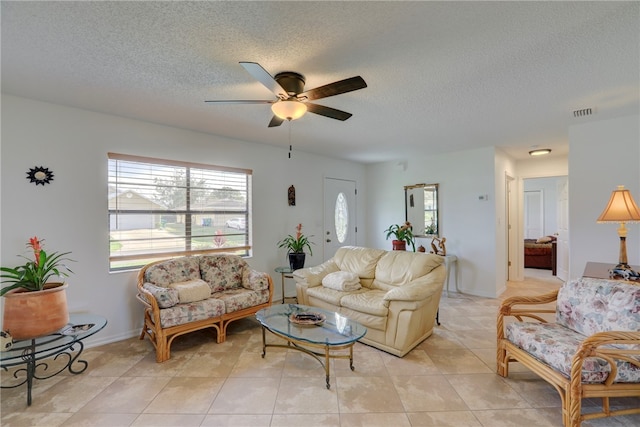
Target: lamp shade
[(289, 109), (621, 207)]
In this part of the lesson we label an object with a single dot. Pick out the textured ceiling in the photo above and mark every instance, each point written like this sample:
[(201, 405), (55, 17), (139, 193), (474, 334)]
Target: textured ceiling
[(442, 76)]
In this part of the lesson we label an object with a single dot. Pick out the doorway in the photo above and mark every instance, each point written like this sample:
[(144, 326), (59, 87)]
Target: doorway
[(339, 215), (545, 213)]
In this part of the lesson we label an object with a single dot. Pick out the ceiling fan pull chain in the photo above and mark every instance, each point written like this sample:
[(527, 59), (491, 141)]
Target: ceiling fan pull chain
[(290, 146)]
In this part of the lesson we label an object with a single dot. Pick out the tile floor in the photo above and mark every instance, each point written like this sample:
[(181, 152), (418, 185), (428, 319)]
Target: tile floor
[(448, 380)]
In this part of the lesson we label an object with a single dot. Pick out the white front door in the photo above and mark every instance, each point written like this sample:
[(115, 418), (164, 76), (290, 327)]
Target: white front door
[(339, 215)]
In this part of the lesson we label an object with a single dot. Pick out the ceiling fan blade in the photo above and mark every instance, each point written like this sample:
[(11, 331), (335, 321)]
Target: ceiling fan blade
[(275, 121), (261, 75), (240, 101), (335, 88), (327, 111)]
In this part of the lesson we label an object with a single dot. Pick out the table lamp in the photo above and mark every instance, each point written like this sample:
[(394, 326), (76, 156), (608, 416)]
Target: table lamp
[(622, 209)]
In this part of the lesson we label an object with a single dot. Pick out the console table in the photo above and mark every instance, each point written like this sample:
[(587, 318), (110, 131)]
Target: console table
[(600, 270), (65, 344)]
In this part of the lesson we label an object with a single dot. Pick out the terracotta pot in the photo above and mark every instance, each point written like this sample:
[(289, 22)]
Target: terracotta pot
[(399, 245), (296, 260), (34, 314)]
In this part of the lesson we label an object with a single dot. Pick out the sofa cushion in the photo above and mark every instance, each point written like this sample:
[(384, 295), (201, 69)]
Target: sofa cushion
[(370, 302), (342, 281), (254, 280), (190, 312), (192, 290), (241, 298), (556, 345), (396, 268), (361, 261), (165, 297), (173, 270), (330, 296), (222, 271), (589, 305)]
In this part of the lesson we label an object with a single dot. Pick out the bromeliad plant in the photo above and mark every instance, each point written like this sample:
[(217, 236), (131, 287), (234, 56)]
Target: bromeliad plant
[(33, 275), (402, 232), (296, 244)]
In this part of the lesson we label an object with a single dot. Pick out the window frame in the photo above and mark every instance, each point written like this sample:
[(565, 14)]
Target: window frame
[(189, 212)]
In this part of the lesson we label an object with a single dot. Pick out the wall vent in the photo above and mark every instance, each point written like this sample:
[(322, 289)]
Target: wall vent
[(582, 113)]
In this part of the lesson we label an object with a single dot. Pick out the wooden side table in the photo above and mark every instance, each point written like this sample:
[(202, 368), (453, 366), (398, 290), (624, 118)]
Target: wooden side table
[(285, 273)]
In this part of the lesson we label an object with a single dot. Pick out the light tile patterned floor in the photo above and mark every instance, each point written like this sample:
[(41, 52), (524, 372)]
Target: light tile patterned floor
[(448, 380)]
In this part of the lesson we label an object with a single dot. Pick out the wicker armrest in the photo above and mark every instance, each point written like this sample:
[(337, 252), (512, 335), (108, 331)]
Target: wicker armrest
[(146, 298), (610, 346), (510, 307)]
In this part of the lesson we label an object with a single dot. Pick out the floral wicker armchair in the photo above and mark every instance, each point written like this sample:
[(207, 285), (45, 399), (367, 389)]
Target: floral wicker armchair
[(592, 350)]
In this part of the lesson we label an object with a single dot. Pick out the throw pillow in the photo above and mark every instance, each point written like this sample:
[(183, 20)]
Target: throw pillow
[(545, 239), (342, 281), (165, 297), (192, 290)]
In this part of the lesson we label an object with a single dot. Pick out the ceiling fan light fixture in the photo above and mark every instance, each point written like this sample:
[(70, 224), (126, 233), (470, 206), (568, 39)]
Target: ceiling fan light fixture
[(289, 109), (539, 152)]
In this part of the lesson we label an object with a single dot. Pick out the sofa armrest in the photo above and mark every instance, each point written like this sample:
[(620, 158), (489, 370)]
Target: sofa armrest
[(255, 280), (312, 276), (511, 307), (610, 346), (417, 290)]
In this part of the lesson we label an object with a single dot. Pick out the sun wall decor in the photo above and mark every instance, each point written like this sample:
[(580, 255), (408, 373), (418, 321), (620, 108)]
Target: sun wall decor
[(40, 175)]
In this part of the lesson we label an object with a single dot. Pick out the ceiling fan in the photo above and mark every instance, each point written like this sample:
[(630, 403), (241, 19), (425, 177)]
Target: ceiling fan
[(292, 100)]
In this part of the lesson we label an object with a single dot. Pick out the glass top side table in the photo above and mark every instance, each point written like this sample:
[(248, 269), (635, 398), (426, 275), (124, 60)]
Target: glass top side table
[(285, 272), (60, 345)]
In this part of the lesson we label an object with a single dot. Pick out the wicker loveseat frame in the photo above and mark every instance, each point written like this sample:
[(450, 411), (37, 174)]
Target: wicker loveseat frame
[(230, 295), (611, 348)]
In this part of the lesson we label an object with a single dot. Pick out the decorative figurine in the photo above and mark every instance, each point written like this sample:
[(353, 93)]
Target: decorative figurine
[(292, 196), (440, 249)]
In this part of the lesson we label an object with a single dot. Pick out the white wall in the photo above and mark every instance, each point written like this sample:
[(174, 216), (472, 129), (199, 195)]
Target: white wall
[(602, 155), (71, 212), (467, 222)]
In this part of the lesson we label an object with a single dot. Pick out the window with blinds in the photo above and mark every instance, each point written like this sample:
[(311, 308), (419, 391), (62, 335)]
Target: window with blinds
[(163, 208)]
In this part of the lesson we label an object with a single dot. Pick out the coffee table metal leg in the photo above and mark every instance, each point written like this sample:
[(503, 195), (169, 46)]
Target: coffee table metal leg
[(264, 343), (351, 359), (326, 365)]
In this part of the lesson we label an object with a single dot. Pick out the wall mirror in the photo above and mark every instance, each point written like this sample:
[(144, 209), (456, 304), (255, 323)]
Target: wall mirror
[(421, 209)]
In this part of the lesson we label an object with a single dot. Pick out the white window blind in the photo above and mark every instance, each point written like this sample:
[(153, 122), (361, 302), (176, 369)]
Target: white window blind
[(163, 208)]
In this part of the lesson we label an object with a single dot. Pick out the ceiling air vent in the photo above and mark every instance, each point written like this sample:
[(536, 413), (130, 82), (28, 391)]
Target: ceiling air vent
[(582, 113)]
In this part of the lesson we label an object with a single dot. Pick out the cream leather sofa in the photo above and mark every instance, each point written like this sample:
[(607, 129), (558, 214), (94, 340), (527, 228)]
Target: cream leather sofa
[(398, 300)]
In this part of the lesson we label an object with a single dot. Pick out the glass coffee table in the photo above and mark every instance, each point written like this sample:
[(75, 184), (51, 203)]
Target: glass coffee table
[(319, 333)]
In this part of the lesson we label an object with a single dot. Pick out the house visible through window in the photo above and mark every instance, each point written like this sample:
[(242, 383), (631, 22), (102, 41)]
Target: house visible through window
[(163, 208)]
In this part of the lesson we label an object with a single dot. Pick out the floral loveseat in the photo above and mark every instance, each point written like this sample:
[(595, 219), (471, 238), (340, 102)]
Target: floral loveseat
[(591, 350), (185, 294), (395, 294)]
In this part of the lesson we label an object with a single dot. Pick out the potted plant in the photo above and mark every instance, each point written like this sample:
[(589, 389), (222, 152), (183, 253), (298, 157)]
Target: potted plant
[(33, 305), (402, 234), (295, 248)]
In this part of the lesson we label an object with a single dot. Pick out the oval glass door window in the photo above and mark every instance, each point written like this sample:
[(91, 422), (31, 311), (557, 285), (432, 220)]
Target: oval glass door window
[(341, 219)]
